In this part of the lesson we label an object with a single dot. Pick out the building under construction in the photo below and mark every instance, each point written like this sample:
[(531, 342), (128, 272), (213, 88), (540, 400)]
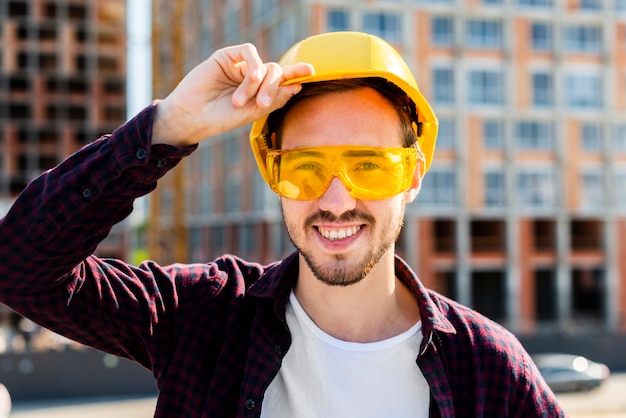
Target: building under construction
[(523, 212), (62, 85)]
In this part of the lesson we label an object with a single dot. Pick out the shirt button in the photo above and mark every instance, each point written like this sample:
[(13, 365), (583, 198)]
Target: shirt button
[(278, 350), (162, 163), (141, 153), (87, 193), (250, 404)]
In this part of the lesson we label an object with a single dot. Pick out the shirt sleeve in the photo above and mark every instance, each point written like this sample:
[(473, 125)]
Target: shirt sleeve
[(47, 272)]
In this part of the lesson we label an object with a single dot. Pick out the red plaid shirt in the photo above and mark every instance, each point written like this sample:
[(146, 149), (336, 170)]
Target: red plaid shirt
[(214, 334)]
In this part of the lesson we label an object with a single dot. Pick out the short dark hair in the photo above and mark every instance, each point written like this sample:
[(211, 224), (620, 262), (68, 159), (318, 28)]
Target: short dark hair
[(397, 97)]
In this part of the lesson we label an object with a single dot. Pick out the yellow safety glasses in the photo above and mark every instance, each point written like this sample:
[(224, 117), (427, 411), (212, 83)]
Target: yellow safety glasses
[(368, 173)]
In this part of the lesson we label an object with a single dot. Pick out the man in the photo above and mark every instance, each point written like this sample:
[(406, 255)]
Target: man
[(341, 328)]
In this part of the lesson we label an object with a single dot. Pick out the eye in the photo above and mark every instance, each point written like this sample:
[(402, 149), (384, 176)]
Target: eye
[(368, 166), (307, 166)]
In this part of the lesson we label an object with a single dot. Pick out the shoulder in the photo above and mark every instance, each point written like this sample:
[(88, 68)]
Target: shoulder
[(488, 342)]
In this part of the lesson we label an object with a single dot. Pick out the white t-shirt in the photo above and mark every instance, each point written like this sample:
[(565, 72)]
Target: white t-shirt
[(322, 376)]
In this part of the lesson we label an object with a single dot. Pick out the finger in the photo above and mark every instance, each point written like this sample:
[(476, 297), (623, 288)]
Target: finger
[(273, 85), (251, 70), (269, 87), (298, 70)]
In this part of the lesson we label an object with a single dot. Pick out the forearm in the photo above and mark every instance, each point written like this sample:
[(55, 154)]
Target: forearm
[(61, 217)]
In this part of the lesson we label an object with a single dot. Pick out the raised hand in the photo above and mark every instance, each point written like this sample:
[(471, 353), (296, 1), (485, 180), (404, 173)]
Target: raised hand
[(231, 88)]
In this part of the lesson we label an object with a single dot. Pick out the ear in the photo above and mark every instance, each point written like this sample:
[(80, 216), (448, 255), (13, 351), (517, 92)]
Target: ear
[(414, 189)]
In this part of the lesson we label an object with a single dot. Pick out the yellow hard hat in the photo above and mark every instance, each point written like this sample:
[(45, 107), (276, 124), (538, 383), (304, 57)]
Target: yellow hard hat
[(340, 55)]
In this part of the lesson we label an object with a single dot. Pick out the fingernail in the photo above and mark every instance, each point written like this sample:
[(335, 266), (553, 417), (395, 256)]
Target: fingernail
[(240, 98), (296, 89), (264, 99)]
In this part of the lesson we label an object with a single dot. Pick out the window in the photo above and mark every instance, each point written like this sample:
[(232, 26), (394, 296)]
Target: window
[(533, 135), (535, 187), (541, 36), (535, 3), (619, 188), (542, 90), (231, 151), (206, 186), (263, 9), (584, 91), (218, 239), (493, 134), (592, 188), (591, 137), (338, 20), (232, 194), (442, 31), (587, 297), (486, 87), (443, 86), (484, 34), (494, 188), (440, 1), (282, 35), (545, 295), (438, 188), (590, 4), (619, 138), (445, 135), (385, 25), (488, 293), (259, 192), (232, 19), (583, 38), (206, 27)]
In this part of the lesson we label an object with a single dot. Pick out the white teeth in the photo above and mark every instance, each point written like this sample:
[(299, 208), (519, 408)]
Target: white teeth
[(337, 234)]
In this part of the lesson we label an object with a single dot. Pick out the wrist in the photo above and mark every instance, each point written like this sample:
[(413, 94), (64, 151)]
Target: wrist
[(168, 128)]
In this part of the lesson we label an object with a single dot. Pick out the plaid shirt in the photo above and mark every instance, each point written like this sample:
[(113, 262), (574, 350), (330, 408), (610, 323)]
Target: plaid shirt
[(214, 334)]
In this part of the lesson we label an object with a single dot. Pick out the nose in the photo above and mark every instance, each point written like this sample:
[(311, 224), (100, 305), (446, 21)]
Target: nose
[(336, 199)]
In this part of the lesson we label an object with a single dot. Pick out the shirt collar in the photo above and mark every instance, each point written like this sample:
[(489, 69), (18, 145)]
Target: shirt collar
[(279, 278)]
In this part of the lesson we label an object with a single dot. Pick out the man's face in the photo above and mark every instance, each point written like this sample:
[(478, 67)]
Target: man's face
[(340, 237)]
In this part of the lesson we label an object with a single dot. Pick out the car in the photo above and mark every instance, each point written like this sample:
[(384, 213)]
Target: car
[(570, 373)]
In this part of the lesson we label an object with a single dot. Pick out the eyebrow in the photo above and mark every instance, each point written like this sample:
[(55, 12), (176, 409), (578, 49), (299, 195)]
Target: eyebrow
[(362, 153), (302, 154)]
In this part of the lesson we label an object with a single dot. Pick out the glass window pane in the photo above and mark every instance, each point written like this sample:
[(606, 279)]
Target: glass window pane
[(338, 20), (384, 25), (536, 188), (542, 90), (494, 188), (438, 188), (532, 135), (584, 91), (619, 138), (486, 87), (443, 85), (493, 134), (535, 3), (591, 137), (592, 188), (442, 31), (445, 134), (583, 38), (484, 34), (541, 36)]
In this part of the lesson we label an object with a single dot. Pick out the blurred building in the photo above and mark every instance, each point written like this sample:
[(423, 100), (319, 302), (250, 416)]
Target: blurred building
[(62, 85), (523, 213)]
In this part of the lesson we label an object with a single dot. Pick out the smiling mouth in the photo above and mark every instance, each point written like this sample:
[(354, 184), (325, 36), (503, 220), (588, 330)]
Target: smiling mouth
[(336, 234)]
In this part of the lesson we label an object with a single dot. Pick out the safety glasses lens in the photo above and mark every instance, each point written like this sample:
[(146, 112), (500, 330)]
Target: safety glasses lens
[(369, 173)]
